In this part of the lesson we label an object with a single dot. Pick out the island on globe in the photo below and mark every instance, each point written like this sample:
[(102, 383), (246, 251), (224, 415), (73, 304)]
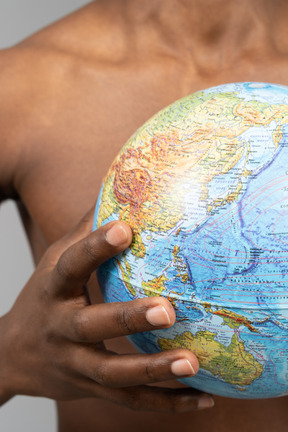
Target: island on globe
[(204, 186)]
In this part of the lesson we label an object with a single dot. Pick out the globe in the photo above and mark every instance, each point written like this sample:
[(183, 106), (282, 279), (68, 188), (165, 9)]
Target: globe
[(204, 186)]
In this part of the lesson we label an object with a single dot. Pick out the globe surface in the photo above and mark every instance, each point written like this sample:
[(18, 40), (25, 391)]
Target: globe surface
[(204, 186)]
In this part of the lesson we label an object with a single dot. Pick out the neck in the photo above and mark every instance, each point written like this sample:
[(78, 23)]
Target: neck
[(212, 32)]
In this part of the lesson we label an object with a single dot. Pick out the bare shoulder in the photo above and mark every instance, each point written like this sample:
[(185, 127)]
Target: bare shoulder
[(36, 78), (26, 80), (14, 101)]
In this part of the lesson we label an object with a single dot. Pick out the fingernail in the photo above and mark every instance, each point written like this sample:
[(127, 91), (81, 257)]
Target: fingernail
[(116, 235), (158, 316), (182, 367), (205, 401)]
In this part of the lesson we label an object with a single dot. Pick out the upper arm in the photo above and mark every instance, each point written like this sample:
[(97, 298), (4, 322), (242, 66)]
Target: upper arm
[(13, 104)]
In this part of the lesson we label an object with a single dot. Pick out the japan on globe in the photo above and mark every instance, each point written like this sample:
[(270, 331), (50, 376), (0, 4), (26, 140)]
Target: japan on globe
[(204, 186)]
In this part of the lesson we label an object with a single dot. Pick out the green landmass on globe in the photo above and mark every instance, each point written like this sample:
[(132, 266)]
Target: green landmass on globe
[(235, 365), (204, 186)]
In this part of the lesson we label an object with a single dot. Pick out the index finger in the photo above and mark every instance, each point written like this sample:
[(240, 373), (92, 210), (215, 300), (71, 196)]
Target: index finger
[(95, 323)]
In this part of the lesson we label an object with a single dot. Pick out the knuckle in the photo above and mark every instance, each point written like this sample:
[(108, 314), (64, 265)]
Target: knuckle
[(51, 334), (59, 363), (45, 293), (51, 254), (91, 249), (101, 375), (150, 373), (179, 403), (79, 326), (64, 269), (124, 320)]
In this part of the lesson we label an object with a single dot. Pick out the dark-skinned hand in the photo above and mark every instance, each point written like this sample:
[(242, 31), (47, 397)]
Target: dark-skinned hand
[(52, 340)]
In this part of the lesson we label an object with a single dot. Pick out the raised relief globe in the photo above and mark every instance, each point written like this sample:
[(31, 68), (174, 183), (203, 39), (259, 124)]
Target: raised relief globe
[(204, 186)]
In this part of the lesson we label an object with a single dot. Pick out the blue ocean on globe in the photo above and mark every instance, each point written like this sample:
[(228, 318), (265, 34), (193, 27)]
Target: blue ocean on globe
[(204, 186)]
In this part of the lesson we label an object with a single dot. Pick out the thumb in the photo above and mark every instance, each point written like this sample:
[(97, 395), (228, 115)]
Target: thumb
[(56, 249), (81, 230), (80, 259)]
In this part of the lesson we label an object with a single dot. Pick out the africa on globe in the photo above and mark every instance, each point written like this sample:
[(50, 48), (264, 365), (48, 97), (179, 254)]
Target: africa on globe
[(204, 186)]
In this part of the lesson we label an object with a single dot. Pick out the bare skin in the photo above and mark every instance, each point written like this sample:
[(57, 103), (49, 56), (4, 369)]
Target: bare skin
[(70, 97)]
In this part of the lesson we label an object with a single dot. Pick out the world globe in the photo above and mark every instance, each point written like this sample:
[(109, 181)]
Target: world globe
[(204, 186)]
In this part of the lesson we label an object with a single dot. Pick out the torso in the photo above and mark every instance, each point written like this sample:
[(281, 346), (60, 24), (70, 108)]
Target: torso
[(78, 115)]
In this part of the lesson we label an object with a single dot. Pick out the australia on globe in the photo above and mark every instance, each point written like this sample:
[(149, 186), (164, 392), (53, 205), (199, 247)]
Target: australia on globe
[(204, 186)]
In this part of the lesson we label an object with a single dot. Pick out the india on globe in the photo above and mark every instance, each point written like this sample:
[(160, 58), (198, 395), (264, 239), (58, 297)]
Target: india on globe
[(204, 186)]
